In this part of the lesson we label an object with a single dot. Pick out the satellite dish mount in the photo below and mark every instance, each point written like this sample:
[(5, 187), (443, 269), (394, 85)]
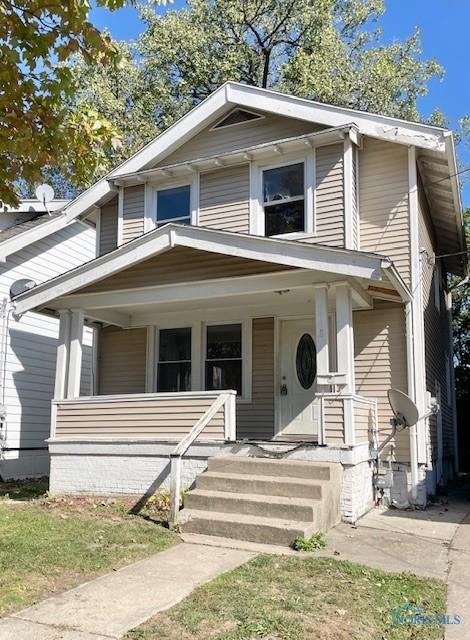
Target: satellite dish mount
[(45, 194), (405, 414)]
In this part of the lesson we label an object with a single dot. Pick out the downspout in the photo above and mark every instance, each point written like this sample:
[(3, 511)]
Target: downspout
[(415, 334), (5, 311), (410, 367)]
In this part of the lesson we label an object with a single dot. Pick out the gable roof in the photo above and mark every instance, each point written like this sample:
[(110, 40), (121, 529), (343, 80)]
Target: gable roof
[(232, 94), (431, 140), (40, 225), (274, 250)]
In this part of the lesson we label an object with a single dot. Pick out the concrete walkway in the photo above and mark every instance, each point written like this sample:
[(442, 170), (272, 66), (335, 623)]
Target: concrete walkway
[(116, 602)]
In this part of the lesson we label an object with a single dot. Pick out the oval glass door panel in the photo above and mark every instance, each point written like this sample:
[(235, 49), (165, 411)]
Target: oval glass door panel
[(306, 361)]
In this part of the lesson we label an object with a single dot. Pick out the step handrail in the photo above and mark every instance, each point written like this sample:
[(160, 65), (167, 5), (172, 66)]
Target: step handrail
[(226, 400)]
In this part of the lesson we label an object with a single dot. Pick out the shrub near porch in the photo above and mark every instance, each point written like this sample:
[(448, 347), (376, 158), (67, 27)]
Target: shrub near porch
[(48, 545)]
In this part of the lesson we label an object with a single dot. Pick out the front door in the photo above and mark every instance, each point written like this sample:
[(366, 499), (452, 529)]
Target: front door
[(297, 370)]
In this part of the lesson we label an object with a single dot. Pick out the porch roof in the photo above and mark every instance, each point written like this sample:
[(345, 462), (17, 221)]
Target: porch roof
[(72, 289)]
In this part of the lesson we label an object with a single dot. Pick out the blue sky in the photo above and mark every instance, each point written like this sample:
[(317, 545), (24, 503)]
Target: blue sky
[(444, 26)]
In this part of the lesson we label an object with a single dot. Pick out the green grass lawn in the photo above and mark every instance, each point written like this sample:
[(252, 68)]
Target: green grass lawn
[(48, 544), (299, 598)]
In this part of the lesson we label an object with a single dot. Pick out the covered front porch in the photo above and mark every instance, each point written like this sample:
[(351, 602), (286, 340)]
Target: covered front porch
[(207, 338), (184, 314)]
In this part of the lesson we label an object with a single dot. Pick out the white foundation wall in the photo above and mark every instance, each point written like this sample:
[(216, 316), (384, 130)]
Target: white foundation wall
[(141, 468), (357, 493), (30, 355)]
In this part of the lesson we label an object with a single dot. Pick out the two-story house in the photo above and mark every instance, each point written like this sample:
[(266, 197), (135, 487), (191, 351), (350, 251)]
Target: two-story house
[(269, 268)]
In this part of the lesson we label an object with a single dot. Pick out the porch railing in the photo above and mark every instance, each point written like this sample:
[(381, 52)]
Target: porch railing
[(153, 416), (332, 424), (226, 399)]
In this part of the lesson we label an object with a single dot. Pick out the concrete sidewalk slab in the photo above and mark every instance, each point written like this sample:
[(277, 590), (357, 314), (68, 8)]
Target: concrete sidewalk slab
[(458, 595), (388, 550), (435, 523), (116, 602), (11, 629)]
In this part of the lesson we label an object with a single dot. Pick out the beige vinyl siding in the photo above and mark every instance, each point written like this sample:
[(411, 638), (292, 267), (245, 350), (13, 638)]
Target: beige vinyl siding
[(182, 265), (209, 143), (436, 331), (380, 363), (224, 199), (364, 421), (122, 357), (256, 419), (153, 418), (383, 197), (108, 227), (329, 195), (133, 212), (334, 421)]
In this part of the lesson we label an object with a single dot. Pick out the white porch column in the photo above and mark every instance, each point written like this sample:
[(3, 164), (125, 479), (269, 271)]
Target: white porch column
[(345, 354), (75, 353), (60, 387), (321, 329)]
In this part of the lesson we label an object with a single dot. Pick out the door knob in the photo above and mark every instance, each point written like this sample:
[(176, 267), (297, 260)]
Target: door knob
[(283, 389)]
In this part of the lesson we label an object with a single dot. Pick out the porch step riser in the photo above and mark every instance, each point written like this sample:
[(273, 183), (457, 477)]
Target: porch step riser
[(262, 500), (267, 534), (265, 486), (245, 506), (269, 467)]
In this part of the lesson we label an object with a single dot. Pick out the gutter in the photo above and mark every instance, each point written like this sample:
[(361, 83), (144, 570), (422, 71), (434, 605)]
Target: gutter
[(396, 280), (454, 180)]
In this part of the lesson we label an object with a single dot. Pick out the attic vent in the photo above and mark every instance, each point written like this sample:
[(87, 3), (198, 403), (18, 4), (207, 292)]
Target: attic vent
[(237, 116)]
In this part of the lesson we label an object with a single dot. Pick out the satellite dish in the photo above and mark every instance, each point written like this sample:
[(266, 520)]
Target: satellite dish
[(45, 193), (20, 286), (404, 409)]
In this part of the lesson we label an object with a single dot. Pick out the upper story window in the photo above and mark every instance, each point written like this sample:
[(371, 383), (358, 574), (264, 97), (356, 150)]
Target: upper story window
[(284, 199), (174, 205)]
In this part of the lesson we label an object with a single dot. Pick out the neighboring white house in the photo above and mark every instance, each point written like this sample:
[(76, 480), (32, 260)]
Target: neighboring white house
[(34, 245)]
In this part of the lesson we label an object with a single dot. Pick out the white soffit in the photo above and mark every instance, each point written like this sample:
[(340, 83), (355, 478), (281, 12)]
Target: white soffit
[(276, 251)]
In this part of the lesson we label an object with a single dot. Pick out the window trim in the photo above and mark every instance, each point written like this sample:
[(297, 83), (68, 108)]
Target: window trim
[(156, 355), (257, 204), (151, 200), (246, 355), (198, 351)]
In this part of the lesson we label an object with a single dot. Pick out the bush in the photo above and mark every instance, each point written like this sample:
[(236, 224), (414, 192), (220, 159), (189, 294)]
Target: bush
[(317, 541)]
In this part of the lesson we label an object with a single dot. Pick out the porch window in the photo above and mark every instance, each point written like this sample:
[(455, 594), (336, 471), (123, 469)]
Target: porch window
[(174, 205), (174, 360), (284, 199), (224, 357)]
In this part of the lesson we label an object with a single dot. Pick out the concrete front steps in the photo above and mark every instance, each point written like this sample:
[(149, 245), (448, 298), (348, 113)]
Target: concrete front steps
[(263, 500)]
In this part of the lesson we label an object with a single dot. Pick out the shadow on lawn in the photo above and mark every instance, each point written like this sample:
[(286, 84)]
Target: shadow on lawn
[(24, 489)]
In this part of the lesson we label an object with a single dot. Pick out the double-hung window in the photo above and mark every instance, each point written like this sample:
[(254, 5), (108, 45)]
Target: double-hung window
[(223, 361), (174, 360), (174, 205), (284, 199)]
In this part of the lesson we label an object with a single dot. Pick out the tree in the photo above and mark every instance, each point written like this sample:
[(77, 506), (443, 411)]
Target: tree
[(327, 50), (120, 95), (461, 329), (37, 41), (323, 49)]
